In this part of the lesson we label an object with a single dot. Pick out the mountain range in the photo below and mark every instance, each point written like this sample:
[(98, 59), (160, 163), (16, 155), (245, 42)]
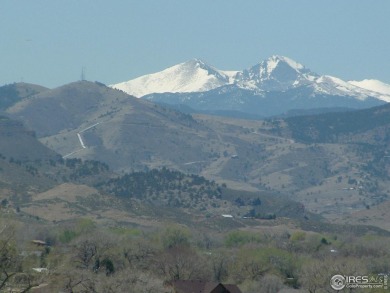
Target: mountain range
[(271, 87)]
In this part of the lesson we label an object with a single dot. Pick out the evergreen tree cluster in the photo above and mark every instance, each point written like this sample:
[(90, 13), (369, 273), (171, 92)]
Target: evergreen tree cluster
[(330, 127), (164, 186), (85, 168)]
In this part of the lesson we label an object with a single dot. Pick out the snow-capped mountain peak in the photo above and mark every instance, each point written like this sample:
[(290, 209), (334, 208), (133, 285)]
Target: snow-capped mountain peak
[(276, 73), (191, 76), (274, 60)]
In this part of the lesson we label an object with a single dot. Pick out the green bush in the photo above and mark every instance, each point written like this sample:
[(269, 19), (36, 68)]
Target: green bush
[(239, 238)]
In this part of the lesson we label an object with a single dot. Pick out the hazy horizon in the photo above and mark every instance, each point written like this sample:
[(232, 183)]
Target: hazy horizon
[(48, 43)]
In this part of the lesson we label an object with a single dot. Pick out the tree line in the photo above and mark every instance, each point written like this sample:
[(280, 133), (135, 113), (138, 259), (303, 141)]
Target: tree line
[(124, 259)]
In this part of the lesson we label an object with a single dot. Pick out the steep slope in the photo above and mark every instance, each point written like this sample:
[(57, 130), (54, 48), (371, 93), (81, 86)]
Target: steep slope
[(21, 144), (22, 159)]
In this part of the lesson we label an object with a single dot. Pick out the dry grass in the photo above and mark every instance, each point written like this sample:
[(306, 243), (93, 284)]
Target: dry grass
[(378, 216), (68, 192)]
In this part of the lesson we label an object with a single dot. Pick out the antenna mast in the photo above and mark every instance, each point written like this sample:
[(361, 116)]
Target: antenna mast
[(83, 73)]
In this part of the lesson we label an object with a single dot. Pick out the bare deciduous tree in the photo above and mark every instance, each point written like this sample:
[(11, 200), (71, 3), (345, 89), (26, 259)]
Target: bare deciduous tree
[(181, 263), (11, 273)]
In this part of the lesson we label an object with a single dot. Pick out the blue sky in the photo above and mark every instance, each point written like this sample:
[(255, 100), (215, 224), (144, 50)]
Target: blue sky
[(47, 42)]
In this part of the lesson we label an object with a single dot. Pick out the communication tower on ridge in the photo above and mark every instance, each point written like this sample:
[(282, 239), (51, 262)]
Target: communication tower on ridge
[(83, 73)]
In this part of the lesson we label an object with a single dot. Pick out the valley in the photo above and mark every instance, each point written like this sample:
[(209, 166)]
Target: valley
[(123, 169)]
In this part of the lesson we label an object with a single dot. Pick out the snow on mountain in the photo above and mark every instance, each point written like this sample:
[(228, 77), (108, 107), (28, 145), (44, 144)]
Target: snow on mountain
[(374, 86), (232, 75), (190, 76), (275, 74), (335, 86)]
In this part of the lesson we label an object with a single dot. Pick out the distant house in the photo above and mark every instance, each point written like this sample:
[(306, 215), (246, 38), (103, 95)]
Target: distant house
[(227, 216), (39, 242), (194, 286), (40, 270)]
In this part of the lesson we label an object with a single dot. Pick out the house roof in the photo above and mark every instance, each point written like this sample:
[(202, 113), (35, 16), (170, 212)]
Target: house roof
[(232, 288), (197, 286)]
